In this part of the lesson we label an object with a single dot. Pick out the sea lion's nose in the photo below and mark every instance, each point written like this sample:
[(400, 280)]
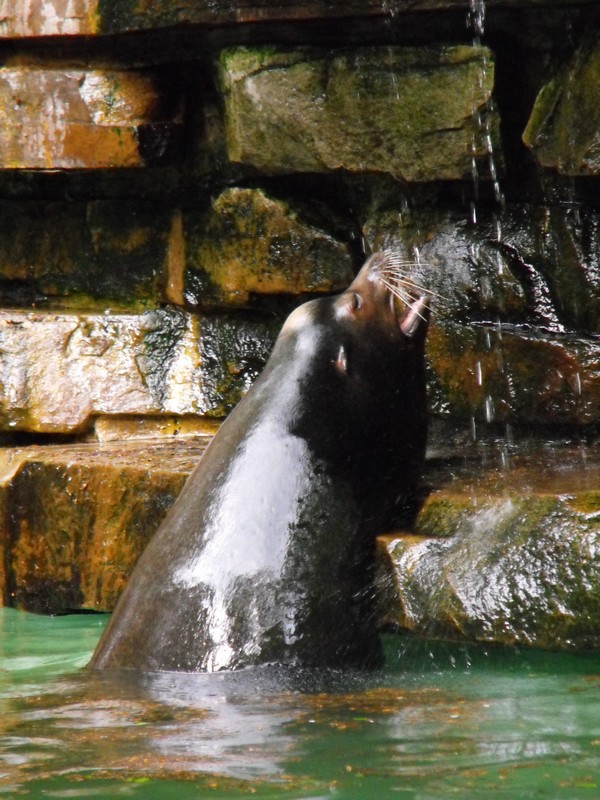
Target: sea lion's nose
[(416, 316)]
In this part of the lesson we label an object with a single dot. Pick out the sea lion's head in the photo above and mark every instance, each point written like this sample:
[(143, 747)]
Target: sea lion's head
[(354, 365), (381, 300), (383, 303)]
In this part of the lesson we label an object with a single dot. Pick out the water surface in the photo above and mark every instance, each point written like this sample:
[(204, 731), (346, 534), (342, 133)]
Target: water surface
[(440, 721)]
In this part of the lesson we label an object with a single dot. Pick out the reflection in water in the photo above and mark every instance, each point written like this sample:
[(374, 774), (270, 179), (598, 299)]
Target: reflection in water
[(439, 721)]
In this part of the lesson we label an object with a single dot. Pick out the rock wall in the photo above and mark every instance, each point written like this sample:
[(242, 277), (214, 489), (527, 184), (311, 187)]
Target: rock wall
[(174, 178), (169, 165)]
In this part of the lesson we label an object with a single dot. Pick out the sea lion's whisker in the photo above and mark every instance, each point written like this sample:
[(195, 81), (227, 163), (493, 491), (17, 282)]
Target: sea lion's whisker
[(403, 281), (392, 256), (406, 298), (396, 290)]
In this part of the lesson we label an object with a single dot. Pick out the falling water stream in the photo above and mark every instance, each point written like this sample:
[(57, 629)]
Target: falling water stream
[(439, 721)]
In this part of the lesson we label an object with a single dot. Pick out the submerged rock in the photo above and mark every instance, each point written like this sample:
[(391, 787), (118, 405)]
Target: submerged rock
[(409, 112), (508, 558)]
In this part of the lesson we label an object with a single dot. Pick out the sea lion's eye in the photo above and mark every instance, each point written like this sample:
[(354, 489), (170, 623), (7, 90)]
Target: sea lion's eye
[(356, 301)]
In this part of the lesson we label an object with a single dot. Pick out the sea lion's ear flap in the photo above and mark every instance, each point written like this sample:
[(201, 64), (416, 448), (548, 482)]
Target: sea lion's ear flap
[(341, 362), (415, 319)]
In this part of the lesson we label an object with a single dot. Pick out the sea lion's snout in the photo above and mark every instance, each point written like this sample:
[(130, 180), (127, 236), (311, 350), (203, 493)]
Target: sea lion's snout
[(416, 317)]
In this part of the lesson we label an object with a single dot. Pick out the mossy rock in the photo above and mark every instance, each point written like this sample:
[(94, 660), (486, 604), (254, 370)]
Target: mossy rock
[(409, 112), (250, 244), (564, 128), (514, 565), (61, 370)]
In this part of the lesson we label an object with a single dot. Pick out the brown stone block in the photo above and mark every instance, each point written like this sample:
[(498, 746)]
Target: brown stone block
[(103, 252), (249, 243), (68, 118), (503, 374), (59, 371), (77, 518)]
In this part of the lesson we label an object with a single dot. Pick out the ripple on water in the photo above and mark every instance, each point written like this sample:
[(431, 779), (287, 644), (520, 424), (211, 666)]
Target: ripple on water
[(442, 720)]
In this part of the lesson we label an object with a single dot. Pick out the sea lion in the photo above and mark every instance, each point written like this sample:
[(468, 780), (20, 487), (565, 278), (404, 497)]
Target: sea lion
[(267, 555)]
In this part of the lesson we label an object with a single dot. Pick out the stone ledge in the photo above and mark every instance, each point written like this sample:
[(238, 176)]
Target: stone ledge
[(58, 117), (75, 518), (33, 18), (60, 370), (508, 557)]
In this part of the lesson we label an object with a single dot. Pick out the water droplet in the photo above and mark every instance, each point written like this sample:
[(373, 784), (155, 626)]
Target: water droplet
[(510, 439), (489, 409), (479, 374)]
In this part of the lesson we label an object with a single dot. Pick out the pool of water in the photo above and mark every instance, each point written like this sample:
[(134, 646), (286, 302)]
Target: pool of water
[(440, 721)]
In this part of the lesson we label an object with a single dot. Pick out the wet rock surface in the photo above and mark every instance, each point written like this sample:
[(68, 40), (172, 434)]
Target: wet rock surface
[(249, 243), (75, 518), (564, 128), (506, 554), (393, 110), (516, 310), (504, 548), (80, 119), (60, 370), (86, 254), (85, 17)]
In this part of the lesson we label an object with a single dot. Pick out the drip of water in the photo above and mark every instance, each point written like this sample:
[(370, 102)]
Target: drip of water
[(476, 17), (486, 168)]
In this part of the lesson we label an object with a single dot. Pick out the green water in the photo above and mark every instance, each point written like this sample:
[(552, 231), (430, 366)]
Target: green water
[(440, 722)]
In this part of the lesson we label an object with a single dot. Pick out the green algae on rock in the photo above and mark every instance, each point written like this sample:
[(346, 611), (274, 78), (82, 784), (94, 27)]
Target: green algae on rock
[(517, 564), (409, 112), (249, 243), (564, 128)]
